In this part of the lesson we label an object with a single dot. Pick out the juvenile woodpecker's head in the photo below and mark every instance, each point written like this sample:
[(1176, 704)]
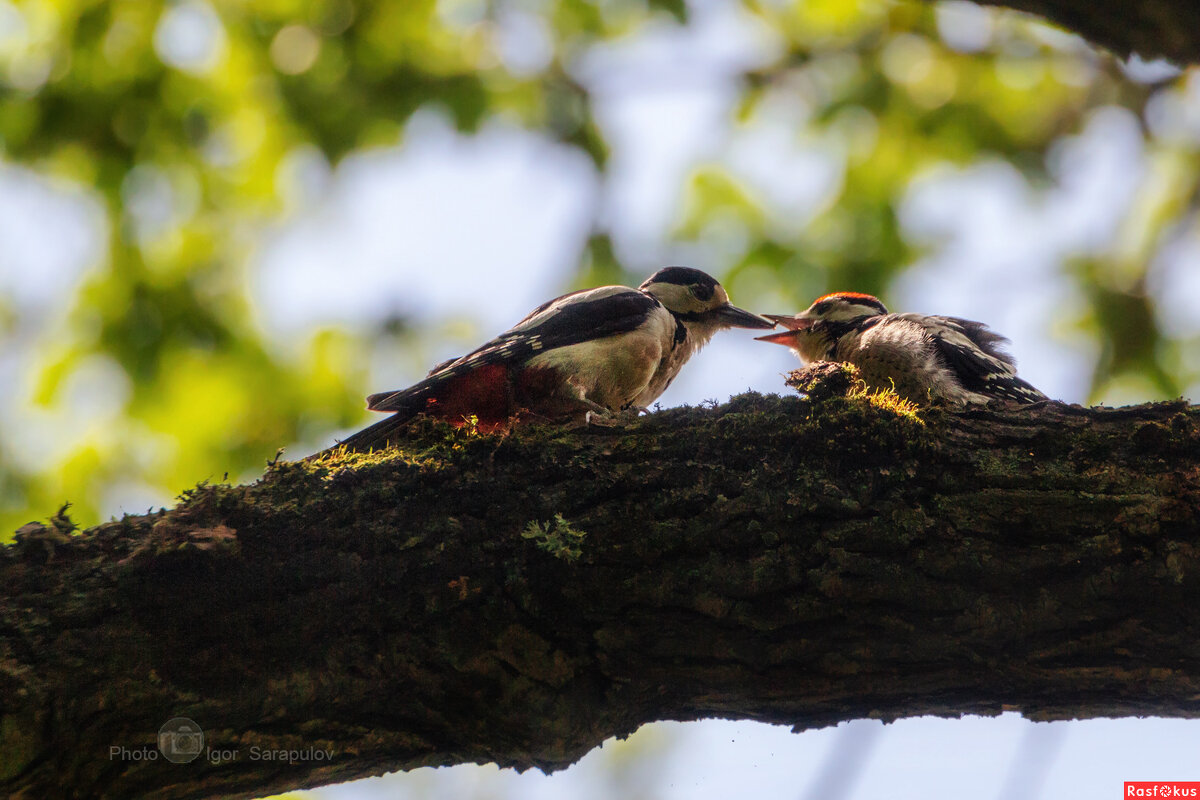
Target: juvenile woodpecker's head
[(699, 301), (812, 332)]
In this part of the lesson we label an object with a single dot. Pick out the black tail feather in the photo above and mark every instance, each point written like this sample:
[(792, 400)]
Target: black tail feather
[(374, 437)]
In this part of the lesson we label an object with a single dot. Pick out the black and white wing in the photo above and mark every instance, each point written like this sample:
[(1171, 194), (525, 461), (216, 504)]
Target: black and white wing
[(976, 355), (571, 319)]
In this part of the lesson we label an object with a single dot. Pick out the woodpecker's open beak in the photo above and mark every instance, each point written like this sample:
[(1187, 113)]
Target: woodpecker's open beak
[(794, 325), (785, 338), (796, 322), (735, 317)]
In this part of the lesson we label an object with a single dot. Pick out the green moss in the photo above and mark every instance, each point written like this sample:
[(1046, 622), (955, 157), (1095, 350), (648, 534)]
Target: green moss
[(556, 537), (425, 443), (887, 400), (18, 745)]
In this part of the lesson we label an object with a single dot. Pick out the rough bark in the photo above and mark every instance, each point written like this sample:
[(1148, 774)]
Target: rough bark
[(1167, 29), (519, 599)]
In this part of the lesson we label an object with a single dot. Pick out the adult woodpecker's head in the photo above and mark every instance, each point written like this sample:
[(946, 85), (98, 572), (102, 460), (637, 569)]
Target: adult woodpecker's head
[(812, 332), (696, 299)]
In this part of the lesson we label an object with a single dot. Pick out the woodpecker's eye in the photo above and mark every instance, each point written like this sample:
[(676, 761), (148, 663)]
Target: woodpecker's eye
[(702, 291), (822, 307)]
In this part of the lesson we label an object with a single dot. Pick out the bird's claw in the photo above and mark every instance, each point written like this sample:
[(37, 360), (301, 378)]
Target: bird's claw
[(603, 419)]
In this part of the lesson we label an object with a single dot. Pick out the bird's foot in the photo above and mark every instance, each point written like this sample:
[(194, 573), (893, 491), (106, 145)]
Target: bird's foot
[(605, 419)]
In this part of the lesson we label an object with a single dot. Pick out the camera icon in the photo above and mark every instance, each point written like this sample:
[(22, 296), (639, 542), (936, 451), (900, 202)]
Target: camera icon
[(180, 740)]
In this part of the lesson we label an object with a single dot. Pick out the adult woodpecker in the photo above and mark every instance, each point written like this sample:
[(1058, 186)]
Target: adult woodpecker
[(583, 356), (923, 358)]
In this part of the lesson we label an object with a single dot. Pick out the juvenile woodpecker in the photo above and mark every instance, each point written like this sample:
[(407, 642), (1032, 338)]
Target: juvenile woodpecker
[(923, 358), (584, 355)]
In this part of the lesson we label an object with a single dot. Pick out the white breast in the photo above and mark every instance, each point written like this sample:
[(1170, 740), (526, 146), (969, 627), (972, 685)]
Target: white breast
[(677, 354), (615, 371)]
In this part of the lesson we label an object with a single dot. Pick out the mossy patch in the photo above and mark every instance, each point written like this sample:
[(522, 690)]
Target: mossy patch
[(556, 537), (887, 400)]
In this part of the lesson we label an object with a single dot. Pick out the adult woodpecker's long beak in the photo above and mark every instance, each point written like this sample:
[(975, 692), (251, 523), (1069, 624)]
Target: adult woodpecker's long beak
[(736, 317)]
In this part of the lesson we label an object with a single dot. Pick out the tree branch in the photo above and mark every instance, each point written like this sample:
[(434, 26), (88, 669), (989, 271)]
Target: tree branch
[(1167, 29), (519, 599)]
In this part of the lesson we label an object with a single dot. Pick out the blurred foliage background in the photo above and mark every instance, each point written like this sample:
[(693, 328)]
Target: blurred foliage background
[(153, 157), (181, 124)]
